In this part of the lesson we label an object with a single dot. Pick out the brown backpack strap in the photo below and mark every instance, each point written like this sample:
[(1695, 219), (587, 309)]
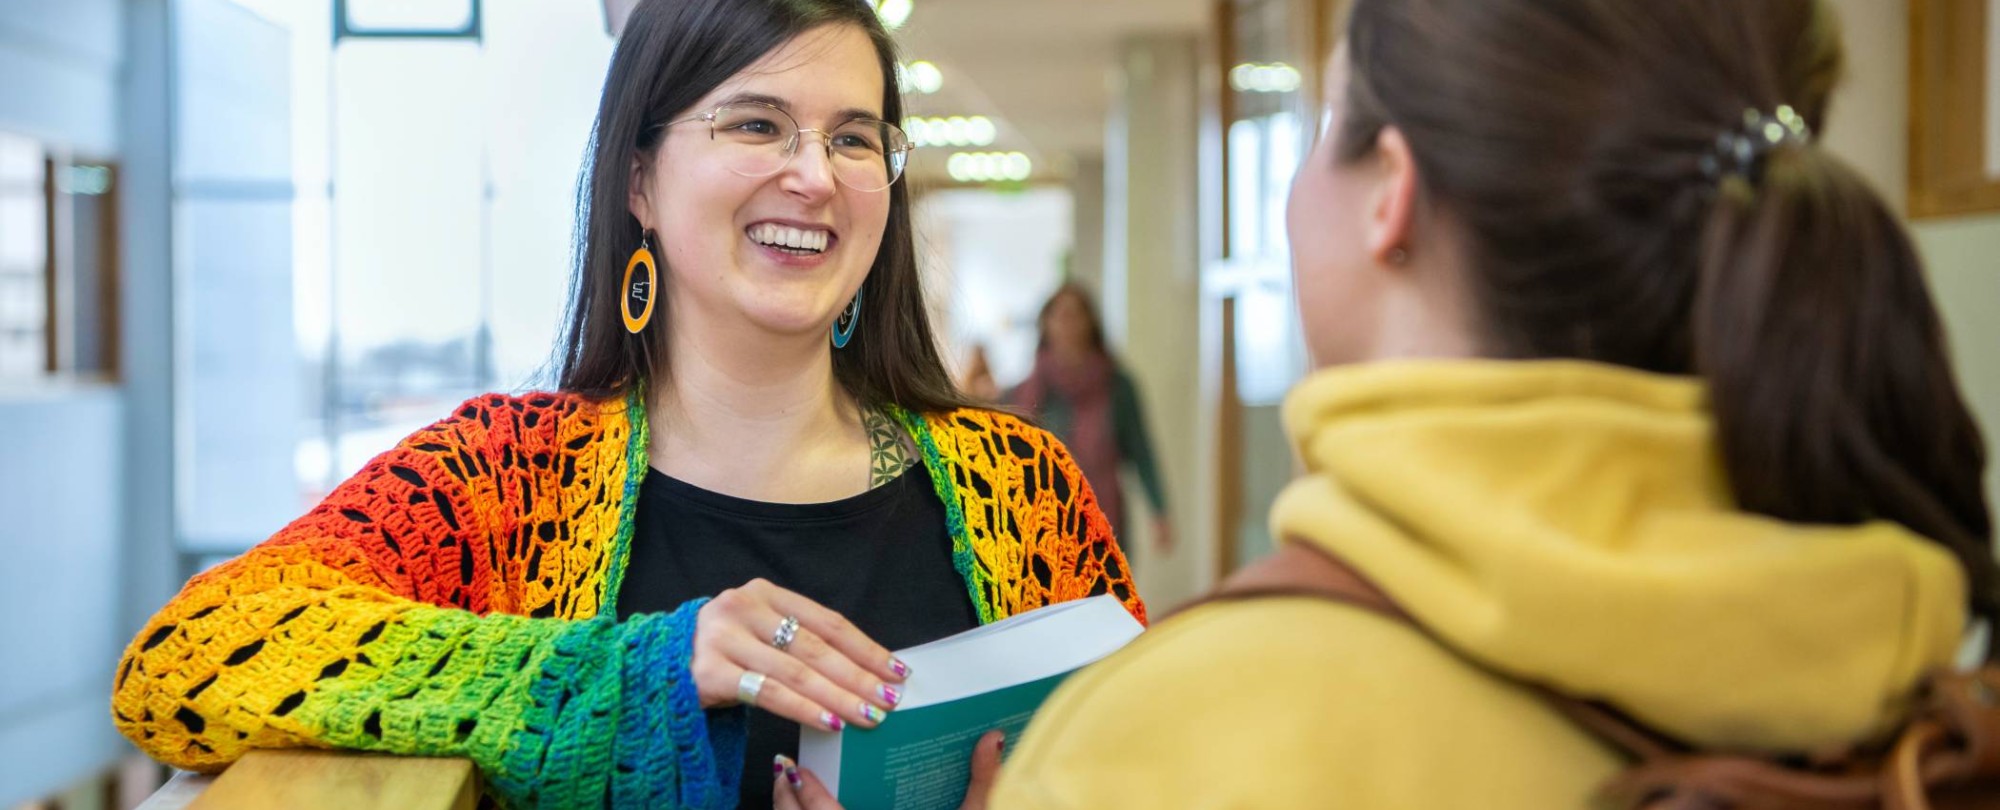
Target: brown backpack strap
[(1300, 568), (1947, 757)]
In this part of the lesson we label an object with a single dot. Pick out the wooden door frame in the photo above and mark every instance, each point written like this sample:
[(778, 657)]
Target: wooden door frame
[(1227, 496), (1948, 109), (1220, 305)]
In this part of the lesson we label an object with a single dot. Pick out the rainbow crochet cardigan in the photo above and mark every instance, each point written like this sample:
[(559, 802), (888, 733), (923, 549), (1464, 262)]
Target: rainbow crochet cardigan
[(457, 597)]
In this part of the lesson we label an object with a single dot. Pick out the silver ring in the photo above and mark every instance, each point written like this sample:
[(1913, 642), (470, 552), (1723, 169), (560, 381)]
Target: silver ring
[(748, 686), (788, 630)]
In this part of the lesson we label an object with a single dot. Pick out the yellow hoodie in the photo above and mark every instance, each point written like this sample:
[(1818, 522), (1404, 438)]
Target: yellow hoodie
[(1565, 523)]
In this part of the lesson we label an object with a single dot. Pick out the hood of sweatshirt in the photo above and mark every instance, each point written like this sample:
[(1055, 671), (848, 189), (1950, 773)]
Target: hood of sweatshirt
[(1570, 524)]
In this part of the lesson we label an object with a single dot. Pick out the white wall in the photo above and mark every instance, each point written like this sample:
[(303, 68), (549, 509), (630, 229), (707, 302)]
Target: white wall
[(1869, 127), (61, 444), (59, 627), (994, 257), (59, 71), (1152, 294)]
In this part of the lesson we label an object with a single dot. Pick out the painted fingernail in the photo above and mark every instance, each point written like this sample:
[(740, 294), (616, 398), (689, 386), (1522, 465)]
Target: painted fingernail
[(872, 714), (901, 669), (889, 694), (832, 721), (784, 764)]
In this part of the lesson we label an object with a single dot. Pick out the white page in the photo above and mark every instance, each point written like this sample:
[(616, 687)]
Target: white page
[(1019, 649), (1028, 647)]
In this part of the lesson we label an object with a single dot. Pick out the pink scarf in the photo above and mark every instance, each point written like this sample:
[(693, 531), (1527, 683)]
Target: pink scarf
[(1074, 400)]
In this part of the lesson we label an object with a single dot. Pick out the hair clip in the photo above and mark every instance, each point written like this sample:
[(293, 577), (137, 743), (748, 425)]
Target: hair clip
[(1741, 152)]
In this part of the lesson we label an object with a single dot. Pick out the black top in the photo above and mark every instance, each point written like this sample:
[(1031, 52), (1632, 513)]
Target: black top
[(881, 558)]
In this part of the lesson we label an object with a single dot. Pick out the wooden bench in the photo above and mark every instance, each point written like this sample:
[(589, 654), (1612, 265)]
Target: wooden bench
[(326, 780)]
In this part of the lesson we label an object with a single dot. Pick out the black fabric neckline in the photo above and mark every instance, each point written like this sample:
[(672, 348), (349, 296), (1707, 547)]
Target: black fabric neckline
[(876, 498)]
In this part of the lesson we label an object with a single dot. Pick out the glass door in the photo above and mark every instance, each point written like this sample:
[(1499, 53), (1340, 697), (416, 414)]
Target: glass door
[(1268, 61)]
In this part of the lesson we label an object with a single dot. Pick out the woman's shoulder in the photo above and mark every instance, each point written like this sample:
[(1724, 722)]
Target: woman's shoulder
[(1006, 431), (546, 402), (568, 418)]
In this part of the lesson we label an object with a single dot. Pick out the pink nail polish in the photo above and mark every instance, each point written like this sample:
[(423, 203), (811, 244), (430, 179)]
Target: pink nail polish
[(889, 694), (784, 765), (832, 721), (872, 714), (901, 669)]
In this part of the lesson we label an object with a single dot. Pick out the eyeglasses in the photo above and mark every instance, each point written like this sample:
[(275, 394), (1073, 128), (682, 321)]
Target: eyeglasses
[(759, 140)]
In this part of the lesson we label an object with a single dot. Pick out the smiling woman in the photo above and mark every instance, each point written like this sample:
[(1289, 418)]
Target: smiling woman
[(748, 489), (765, 103)]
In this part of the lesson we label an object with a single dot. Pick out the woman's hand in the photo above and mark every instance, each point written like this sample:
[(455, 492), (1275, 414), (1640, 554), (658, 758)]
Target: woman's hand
[(798, 789), (789, 656)]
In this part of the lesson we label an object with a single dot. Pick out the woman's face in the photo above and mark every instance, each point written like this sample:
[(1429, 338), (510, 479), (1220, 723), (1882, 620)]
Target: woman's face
[(1069, 324), (1326, 221), (715, 227)]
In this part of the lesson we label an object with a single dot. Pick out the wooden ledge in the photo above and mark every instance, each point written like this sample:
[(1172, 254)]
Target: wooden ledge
[(342, 780)]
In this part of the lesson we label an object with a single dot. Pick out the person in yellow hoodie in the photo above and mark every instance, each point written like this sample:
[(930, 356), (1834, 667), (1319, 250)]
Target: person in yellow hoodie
[(1629, 388)]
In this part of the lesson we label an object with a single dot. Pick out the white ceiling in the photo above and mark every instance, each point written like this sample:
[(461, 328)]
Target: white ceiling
[(1041, 68)]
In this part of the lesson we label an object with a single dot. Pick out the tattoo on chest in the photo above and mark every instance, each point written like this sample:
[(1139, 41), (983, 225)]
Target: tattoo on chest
[(888, 450)]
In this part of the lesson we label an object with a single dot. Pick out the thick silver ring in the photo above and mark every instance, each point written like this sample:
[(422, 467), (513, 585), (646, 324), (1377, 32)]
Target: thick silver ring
[(748, 686), (788, 630)]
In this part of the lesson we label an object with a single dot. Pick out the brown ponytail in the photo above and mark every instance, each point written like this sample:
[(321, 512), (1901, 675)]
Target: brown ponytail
[(1573, 144), (1833, 394)]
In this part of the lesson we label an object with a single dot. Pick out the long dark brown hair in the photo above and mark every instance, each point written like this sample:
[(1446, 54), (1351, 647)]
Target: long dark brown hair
[(671, 54), (1566, 138), (1070, 289)]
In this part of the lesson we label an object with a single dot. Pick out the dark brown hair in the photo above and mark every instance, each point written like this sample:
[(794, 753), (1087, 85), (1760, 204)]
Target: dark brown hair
[(670, 55), (1565, 139), (1070, 289)]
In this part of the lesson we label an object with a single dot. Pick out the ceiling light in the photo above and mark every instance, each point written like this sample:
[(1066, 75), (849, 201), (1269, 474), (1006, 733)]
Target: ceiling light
[(970, 130), (980, 130), (894, 12), (1016, 166), (1277, 77), (989, 167), (922, 77)]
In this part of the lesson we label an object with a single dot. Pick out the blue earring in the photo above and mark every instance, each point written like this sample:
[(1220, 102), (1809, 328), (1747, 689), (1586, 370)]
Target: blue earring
[(843, 326)]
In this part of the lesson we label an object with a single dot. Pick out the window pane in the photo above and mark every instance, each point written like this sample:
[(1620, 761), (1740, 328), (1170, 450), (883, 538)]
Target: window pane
[(410, 285), (237, 366), (23, 232), (20, 162), (408, 15), (23, 259)]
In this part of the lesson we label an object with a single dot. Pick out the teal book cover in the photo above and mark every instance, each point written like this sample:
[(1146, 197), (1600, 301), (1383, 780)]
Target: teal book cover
[(991, 677)]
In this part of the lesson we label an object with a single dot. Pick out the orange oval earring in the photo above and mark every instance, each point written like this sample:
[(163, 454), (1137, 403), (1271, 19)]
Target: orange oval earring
[(636, 303)]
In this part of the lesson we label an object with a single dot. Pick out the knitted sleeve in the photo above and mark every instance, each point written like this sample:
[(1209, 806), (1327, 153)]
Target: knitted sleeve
[(381, 621)]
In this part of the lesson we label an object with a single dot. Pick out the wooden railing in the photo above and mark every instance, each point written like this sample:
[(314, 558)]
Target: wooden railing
[(329, 780)]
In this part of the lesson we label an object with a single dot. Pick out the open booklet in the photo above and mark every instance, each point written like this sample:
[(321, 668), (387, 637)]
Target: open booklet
[(960, 688)]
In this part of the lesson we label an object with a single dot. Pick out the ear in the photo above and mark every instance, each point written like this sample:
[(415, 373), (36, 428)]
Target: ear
[(638, 189), (1392, 217)]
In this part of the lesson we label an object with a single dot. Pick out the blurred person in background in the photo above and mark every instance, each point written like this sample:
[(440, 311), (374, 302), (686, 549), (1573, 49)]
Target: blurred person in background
[(738, 495), (1629, 389), (977, 376), (1081, 393)]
